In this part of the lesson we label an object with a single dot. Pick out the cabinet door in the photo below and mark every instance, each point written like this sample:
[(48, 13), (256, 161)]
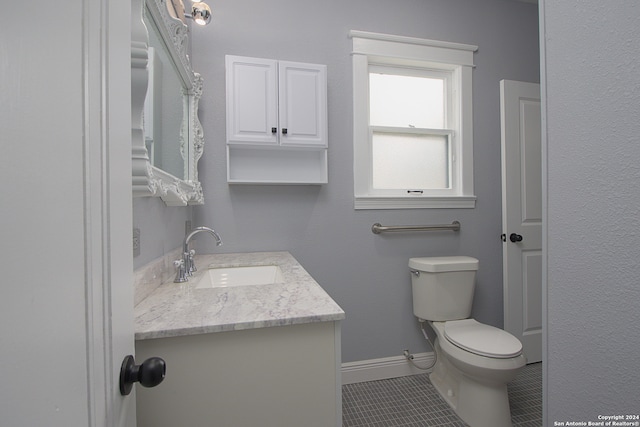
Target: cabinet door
[(303, 104), (252, 100)]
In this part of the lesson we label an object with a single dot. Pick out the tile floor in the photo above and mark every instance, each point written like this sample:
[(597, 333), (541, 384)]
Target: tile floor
[(413, 401)]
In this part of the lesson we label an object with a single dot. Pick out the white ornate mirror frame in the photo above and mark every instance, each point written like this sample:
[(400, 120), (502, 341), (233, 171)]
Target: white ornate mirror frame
[(149, 180)]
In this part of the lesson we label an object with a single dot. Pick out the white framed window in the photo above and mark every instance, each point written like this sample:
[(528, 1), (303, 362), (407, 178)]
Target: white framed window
[(413, 124)]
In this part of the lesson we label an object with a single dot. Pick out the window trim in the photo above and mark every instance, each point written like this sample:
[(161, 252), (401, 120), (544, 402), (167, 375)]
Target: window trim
[(388, 50)]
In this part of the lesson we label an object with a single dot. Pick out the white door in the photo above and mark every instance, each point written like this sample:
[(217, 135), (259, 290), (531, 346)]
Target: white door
[(252, 100), (522, 214), (66, 315), (302, 104)]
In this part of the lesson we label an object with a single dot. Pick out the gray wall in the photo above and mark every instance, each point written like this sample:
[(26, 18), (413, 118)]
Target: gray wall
[(161, 227), (593, 197), (366, 274)]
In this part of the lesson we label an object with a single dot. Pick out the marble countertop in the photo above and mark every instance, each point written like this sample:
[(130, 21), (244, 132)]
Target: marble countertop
[(176, 309)]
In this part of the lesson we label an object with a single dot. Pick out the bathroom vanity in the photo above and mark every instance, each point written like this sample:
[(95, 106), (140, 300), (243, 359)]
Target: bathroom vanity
[(249, 355)]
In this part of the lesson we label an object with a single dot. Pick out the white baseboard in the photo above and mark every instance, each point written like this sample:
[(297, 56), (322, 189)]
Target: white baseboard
[(386, 367)]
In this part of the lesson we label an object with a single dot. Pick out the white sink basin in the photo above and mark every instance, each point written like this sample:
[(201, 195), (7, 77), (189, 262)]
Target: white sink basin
[(240, 276)]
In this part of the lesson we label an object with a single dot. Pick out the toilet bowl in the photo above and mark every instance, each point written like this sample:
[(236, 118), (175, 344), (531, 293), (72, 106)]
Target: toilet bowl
[(474, 361), (472, 382)]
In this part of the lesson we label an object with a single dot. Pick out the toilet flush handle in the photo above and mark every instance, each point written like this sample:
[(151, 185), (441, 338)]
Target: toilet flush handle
[(415, 272)]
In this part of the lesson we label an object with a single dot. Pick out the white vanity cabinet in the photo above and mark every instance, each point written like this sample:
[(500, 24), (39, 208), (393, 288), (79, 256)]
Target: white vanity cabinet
[(268, 377), (254, 355), (276, 121)]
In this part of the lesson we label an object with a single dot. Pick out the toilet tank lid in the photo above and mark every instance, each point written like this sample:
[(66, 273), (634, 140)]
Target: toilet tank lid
[(444, 263)]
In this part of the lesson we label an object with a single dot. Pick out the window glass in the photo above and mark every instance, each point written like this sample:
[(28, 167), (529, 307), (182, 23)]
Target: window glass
[(410, 161), (406, 101)]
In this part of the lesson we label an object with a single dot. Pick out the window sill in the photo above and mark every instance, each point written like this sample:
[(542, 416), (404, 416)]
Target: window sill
[(449, 202)]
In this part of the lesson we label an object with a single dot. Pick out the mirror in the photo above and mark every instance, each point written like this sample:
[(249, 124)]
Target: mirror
[(163, 109), (167, 137)]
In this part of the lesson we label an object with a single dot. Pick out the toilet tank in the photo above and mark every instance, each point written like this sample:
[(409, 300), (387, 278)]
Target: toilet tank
[(443, 287)]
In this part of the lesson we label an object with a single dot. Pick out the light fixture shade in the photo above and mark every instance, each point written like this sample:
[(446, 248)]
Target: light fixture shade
[(201, 13)]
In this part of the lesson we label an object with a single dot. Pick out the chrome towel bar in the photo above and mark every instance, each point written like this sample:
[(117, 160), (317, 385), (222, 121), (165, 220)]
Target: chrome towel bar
[(378, 228)]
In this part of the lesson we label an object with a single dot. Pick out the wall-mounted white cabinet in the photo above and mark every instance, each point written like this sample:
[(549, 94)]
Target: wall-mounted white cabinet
[(276, 121)]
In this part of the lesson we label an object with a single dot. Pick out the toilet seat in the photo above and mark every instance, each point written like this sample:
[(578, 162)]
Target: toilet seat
[(481, 339)]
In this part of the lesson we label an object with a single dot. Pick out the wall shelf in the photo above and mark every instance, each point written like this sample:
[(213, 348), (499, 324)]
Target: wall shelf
[(276, 165)]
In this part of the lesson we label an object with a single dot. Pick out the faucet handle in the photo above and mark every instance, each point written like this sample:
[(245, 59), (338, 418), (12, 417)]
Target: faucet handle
[(181, 273)]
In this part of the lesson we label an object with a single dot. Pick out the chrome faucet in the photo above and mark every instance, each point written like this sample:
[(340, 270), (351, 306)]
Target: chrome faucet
[(186, 266)]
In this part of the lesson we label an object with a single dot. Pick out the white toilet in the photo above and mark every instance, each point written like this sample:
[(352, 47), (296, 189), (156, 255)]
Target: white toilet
[(474, 362)]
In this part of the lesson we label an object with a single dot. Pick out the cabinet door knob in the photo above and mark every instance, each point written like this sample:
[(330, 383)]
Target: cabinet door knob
[(274, 130), (284, 131)]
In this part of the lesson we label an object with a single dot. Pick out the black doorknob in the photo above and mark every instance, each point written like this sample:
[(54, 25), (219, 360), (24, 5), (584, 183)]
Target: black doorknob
[(515, 237), (149, 373)]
